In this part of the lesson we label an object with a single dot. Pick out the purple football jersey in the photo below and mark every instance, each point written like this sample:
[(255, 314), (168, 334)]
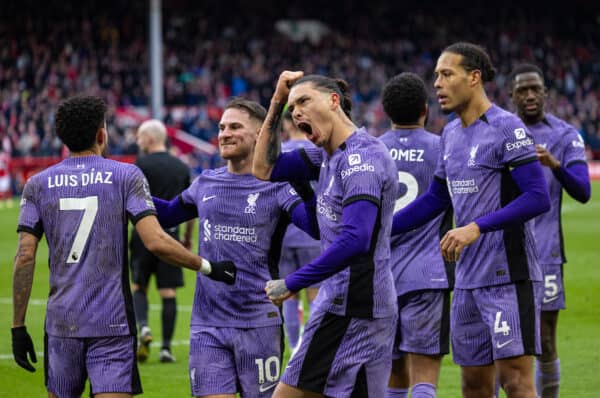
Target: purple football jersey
[(417, 261), (360, 169), (243, 220), (566, 145), (82, 204), (476, 162), (294, 236)]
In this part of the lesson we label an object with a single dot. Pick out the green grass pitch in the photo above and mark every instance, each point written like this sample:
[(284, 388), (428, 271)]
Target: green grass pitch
[(579, 325)]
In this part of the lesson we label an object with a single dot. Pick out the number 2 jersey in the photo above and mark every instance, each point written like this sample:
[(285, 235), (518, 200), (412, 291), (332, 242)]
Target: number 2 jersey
[(82, 205), (417, 262)]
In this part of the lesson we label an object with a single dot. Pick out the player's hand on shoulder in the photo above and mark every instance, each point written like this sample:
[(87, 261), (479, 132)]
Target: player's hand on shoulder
[(455, 240), (277, 291), (221, 271), (21, 346)]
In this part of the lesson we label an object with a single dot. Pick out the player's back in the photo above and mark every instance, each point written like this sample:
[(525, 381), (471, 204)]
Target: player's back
[(82, 205), (417, 262)]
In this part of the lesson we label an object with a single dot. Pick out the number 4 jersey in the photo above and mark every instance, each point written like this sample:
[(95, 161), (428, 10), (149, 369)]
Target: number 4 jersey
[(417, 262), (83, 204)]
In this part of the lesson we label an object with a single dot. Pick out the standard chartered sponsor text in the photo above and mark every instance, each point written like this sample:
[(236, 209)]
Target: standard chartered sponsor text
[(234, 233), (464, 186)]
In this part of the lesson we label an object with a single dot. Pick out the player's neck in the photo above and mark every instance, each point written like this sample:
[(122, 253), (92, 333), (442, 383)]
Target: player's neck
[(240, 166), (340, 132), (473, 110), (530, 120), (407, 126), (95, 151)]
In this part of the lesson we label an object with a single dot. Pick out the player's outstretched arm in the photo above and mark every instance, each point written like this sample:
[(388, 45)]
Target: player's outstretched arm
[(268, 146), (171, 251), (424, 209), (24, 265), (532, 201), (174, 212), (354, 240)]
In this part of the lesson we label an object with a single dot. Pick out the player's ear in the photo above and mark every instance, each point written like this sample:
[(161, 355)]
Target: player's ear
[(475, 77), (335, 100), (102, 135)]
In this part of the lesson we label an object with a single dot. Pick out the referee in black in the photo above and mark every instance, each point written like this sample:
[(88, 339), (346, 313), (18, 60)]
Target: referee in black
[(167, 177)]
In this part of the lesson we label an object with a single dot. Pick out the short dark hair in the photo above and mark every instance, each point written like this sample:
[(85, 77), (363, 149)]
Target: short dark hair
[(77, 121), (287, 115), (523, 68), (253, 108), (329, 85), (474, 58), (404, 98)]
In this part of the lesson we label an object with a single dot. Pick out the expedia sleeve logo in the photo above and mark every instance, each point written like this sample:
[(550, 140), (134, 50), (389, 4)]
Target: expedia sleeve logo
[(520, 133), (354, 159)]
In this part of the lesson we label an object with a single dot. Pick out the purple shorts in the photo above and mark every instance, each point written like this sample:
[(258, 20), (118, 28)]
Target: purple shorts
[(293, 258), (108, 362), (423, 323), (343, 357), (554, 288), (495, 322), (221, 359)]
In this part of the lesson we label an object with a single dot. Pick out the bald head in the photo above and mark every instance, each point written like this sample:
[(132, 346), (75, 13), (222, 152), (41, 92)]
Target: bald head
[(152, 136)]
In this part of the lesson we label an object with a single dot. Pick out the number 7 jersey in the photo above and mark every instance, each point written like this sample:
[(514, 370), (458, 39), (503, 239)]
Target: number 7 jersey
[(83, 204)]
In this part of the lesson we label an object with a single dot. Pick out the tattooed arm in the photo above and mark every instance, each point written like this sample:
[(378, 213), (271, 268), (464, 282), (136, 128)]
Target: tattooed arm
[(24, 265), (268, 146)]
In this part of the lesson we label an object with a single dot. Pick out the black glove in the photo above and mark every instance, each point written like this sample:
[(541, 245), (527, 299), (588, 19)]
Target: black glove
[(21, 346), (223, 271)]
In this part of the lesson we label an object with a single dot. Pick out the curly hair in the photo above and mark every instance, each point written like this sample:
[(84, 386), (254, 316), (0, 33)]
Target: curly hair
[(78, 120), (404, 98), (474, 58)]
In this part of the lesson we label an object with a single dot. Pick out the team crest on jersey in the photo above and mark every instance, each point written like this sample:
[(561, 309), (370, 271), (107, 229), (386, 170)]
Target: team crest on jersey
[(472, 154), (252, 198), (520, 133), (354, 159)]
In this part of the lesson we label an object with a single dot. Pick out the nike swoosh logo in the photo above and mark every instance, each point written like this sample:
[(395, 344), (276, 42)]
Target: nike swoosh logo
[(446, 156), (205, 198), (229, 273), (549, 299), (266, 388), (498, 345)]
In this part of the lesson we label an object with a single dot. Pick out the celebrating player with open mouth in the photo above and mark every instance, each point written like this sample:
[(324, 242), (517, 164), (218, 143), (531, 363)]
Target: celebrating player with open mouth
[(346, 343)]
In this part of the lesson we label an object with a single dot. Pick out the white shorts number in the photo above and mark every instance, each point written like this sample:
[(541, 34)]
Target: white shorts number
[(501, 327), (551, 287), (268, 370)]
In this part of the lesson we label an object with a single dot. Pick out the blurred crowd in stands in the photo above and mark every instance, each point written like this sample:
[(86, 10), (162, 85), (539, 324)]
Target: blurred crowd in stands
[(211, 55)]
